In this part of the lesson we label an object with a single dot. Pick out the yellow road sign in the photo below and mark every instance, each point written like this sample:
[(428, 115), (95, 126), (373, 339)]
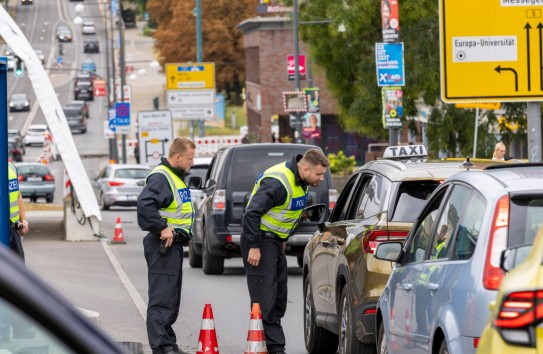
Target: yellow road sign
[(481, 105), (190, 76), (491, 50)]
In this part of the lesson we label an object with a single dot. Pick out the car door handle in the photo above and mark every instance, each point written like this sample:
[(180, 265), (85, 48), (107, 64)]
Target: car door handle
[(432, 286), (407, 287)]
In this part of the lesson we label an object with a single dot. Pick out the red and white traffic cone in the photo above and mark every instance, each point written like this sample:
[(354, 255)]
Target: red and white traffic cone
[(207, 344), (256, 340), (118, 237)]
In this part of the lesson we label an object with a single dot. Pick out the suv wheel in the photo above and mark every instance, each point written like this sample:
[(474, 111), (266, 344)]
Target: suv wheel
[(103, 204), (443, 348), (317, 339), (211, 264), (300, 261), (382, 345), (195, 260), (348, 342)]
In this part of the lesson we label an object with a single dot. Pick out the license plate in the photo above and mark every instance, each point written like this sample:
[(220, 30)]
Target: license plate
[(33, 179), (132, 197)]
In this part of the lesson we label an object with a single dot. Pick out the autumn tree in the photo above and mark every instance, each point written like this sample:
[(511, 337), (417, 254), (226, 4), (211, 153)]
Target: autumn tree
[(222, 42)]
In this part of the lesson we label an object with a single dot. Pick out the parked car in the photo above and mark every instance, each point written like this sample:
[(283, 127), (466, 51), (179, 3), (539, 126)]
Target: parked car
[(227, 190), (64, 34), (35, 134), (19, 102), (75, 118), (91, 45), (120, 184), (342, 280), (513, 325), (55, 325), (35, 181), (448, 271), (83, 90)]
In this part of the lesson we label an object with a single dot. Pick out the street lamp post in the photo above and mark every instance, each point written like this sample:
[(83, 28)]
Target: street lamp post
[(298, 133)]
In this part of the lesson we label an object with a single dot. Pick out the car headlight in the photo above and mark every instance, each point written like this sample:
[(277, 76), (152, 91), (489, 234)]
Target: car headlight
[(11, 104), (26, 103)]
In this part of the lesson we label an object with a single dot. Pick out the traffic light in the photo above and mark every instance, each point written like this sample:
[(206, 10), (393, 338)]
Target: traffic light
[(19, 68)]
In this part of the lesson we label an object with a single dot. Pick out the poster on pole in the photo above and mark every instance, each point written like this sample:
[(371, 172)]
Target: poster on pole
[(392, 107), (390, 21), (155, 135), (313, 99)]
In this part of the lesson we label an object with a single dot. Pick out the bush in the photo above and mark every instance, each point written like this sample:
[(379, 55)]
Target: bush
[(341, 164)]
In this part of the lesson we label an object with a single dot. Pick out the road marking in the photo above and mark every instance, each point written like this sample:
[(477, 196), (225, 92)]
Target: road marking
[(129, 286)]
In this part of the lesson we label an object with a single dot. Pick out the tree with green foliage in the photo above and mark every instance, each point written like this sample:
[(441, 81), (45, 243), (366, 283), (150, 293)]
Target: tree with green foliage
[(348, 60)]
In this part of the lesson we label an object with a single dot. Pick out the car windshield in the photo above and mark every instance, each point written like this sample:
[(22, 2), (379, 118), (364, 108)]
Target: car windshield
[(37, 169), (36, 131), (72, 112), (248, 165), (133, 173), (18, 97), (410, 199)]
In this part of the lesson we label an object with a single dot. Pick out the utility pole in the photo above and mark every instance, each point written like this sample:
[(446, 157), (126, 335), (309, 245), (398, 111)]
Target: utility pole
[(123, 75), (199, 54), (298, 133)]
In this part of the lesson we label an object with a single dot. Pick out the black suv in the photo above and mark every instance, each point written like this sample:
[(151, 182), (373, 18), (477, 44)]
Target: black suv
[(227, 189), (91, 45)]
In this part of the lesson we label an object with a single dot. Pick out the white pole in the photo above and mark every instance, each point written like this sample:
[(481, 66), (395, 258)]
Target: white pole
[(475, 135)]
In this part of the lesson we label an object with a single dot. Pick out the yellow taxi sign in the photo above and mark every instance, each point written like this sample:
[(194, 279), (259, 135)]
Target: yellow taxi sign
[(481, 105), (490, 50), (190, 76)]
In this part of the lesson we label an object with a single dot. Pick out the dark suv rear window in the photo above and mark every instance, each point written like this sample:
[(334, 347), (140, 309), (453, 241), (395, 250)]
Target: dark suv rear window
[(248, 165), (410, 199)]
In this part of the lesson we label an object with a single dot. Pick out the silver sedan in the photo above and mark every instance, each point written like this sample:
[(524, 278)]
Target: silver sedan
[(119, 184)]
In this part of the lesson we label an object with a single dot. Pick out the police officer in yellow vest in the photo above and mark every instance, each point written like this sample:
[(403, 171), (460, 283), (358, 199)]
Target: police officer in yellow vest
[(165, 211), (18, 225), (275, 207)]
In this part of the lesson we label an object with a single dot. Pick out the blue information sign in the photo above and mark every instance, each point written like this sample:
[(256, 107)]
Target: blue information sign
[(389, 63)]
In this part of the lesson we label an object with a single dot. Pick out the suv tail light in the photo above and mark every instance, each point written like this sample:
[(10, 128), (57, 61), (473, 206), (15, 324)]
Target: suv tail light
[(219, 200), (332, 198), (115, 183), (493, 274), (518, 316), (372, 238)]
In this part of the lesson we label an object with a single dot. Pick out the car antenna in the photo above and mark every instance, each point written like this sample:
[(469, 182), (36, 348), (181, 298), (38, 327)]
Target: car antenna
[(467, 164)]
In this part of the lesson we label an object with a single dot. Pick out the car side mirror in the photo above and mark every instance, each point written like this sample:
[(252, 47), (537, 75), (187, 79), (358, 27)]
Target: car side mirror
[(511, 257), (195, 182), (389, 251), (316, 215)]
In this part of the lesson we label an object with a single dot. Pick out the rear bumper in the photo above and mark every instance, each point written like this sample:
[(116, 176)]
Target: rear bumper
[(37, 191)]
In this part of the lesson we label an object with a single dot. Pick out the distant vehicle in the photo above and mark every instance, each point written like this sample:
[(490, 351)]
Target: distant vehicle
[(19, 102), (82, 105), (91, 45), (448, 271), (83, 76), (83, 91), (88, 29), (56, 325), (27, 2), (120, 184), (89, 65), (15, 154), (17, 141), (76, 120), (129, 18), (35, 181), (35, 134), (40, 56), (64, 34)]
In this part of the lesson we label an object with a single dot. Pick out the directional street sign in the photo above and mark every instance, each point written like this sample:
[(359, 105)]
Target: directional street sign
[(190, 76), (193, 112), (155, 135), (389, 64), (491, 50), (190, 97)]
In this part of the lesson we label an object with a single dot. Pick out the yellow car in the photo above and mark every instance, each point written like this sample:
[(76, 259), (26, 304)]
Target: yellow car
[(515, 321)]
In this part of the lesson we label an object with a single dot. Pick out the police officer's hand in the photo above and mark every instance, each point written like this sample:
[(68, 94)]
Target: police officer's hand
[(254, 257), (167, 234)]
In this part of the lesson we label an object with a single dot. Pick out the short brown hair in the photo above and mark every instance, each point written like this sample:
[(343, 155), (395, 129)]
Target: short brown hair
[(180, 145), (316, 157)]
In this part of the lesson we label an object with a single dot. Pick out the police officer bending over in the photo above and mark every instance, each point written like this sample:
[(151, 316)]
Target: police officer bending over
[(276, 205), (165, 211)]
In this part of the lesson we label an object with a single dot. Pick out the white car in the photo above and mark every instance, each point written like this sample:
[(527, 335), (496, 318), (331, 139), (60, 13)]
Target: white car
[(88, 29), (35, 134)]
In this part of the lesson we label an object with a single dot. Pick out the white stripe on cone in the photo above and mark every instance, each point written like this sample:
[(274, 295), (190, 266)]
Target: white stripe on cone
[(207, 324), (256, 325)]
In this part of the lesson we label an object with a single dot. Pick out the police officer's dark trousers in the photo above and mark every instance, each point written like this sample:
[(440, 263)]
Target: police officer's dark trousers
[(165, 276), (15, 242), (267, 285)]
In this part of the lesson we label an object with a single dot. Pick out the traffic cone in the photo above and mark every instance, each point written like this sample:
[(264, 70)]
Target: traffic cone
[(118, 238), (207, 344), (256, 341)]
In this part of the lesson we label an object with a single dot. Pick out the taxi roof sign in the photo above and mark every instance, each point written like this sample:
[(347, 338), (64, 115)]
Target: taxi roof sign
[(405, 152)]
